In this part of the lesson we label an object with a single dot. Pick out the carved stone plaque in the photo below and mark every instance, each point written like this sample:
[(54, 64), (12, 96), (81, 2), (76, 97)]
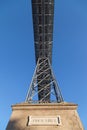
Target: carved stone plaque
[(44, 120)]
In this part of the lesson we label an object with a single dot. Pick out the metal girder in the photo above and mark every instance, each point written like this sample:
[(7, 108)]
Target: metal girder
[(43, 14), (44, 87)]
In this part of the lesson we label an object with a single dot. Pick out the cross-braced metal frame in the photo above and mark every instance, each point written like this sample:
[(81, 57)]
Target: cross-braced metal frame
[(44, 87)]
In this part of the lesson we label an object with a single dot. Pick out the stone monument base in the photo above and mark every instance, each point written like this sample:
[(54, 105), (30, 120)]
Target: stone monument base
[(47, 116)]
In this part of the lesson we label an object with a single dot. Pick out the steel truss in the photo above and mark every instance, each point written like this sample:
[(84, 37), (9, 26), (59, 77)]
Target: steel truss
[(44, 87), (43, 17)]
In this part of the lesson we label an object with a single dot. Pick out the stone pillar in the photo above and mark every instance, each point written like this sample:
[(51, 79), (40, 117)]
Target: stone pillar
[(47, 116)]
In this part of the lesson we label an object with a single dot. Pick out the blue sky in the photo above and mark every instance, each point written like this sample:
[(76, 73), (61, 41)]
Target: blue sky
[(17, 56)]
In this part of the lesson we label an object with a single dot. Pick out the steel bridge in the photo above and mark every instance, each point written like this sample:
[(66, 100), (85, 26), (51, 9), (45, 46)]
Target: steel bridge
[(43, 87)]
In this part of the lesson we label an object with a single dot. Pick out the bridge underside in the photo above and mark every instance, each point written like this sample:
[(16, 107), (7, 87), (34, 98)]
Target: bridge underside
[(43, 13)]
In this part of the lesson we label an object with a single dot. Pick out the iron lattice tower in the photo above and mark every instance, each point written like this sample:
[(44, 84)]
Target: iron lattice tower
[(43, 87)]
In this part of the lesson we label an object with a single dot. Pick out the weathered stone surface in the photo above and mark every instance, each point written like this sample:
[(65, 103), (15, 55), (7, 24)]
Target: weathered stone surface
[(67, 112)]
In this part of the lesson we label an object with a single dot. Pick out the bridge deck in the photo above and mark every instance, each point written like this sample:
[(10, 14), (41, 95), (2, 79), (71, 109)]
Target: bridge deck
[(43, 13)]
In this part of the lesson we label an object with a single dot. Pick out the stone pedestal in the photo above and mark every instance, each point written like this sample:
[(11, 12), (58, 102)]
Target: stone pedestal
[(57, 116)]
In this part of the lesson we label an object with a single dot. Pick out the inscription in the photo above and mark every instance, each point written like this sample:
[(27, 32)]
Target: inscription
[(46, 120)]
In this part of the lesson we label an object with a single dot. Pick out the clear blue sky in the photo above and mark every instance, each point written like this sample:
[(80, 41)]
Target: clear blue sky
[(17, 57)]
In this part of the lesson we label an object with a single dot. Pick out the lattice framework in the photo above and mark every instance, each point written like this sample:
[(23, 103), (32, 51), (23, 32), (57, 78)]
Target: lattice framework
[(44, 87)]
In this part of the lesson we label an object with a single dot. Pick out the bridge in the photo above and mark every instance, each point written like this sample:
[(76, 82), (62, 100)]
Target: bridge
[(43, 87)]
